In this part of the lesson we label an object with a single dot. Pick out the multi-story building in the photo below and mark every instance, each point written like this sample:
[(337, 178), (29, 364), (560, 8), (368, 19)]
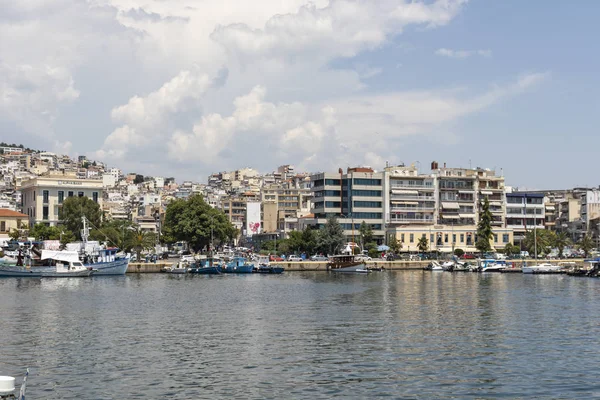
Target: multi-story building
[(412, 199), (354, 197), (525, 212), (590, 208), (42, 197), (443, 207)]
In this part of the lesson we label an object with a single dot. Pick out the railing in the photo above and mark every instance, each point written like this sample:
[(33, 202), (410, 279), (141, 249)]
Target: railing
[(396, 186), (416, 209), (408, 220), (412, 197)]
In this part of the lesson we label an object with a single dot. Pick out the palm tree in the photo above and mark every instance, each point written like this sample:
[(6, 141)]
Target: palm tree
[(423, 244), (586, 244), (561, 240), (141, 240)]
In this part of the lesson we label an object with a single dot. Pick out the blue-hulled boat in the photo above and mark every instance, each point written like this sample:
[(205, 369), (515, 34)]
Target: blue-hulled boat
[(206, 267), (239, 265)]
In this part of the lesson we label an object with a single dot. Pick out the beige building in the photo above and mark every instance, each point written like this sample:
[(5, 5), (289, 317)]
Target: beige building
[(10, 220), (446, 239), (42, 197)]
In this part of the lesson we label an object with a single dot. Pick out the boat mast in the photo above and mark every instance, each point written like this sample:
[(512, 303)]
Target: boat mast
[(85, 234)]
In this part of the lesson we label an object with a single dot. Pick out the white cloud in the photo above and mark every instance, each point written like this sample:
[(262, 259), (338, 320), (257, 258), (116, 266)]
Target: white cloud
[(462, 53), (181, 86)]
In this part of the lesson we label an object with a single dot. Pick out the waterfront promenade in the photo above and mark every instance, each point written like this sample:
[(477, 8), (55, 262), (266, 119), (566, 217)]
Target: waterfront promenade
[(322, 266)]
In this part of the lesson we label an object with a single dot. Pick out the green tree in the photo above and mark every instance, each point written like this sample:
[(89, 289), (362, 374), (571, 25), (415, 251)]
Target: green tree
[(484, 228), (192, 220), (138, 179), (395, 244), (459, 252), (141, 240), (330, 237), (366, 234), (14, 234), (115, 232), (510, 249), (44, 232), (309, 237), (586, 243), (561, 240), (74, 208), (540, 240), (423, 244)]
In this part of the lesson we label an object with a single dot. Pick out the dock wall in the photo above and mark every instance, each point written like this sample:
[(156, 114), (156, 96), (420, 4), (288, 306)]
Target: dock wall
[(145, 268)]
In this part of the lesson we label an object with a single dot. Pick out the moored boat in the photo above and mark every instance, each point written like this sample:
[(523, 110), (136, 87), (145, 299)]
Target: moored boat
[(543, 268), (239, 265), (347, 263), (264, 266), (206, 266)]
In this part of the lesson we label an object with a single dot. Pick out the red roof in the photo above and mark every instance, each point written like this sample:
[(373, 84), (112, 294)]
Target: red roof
[(5, 212)]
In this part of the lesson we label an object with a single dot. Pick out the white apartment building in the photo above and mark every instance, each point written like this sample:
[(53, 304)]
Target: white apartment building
[(590, 207), (42, 197)]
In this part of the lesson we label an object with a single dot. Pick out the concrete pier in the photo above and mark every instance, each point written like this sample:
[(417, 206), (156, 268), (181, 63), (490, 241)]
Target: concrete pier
[(144, 268)]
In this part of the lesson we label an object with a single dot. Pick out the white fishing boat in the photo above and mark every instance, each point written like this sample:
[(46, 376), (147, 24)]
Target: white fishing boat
[(542, 268), (7, 387), (66, 265)]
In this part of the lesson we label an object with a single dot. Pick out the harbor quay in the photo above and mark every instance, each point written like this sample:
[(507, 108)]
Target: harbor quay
[(145, 268)]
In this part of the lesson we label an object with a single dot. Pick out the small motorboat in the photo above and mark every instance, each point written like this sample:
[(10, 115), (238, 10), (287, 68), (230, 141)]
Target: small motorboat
[(543, 268), (178, 268)]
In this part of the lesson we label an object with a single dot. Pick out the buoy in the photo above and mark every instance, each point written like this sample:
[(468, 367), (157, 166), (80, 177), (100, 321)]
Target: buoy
[(7, 384)]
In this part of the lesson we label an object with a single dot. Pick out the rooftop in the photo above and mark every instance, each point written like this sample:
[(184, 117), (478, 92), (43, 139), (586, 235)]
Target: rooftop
[(5, 212)]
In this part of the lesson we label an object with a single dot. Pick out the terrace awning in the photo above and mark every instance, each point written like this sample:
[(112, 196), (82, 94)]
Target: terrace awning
[(450, 205), (406, 192), (487, 192)]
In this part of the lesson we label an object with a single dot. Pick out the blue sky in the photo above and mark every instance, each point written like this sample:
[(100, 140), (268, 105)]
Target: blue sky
[(188, 88)]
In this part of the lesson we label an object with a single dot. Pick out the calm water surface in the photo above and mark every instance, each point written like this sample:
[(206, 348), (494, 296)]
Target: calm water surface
[(303, 335)]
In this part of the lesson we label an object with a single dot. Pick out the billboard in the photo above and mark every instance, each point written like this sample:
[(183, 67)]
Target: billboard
[(253, 223)]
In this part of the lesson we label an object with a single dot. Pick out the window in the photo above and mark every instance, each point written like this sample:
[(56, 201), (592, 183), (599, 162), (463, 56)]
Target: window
[(453, 238), (331, 204), (61, 196), (402, 238), (2, 226), (95, 197), (367, 215), (367, 182), (70, 194), (332, 182), (45, 195), (462, 237), (412, 237), (368, 204), (80, 194), (495, 238), (431, 238), (367, 193), (45, 213), (445, 238), (505, 238)]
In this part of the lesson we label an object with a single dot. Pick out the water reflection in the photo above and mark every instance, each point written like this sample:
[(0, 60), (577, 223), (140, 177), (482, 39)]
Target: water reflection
[(303, 335)]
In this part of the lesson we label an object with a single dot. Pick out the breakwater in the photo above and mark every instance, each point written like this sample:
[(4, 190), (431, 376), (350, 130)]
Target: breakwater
[(145, 268)]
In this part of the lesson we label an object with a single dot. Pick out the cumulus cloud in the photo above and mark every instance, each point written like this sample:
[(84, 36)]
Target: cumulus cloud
[(181, 86), (462, 53)]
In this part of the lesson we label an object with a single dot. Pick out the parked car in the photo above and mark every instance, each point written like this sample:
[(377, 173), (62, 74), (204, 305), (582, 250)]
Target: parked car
[(319, 258), (294, 258), (275, 258), (469, 256), (390, 257)]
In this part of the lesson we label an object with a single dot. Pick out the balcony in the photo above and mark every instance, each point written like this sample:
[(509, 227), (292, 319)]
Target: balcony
[(411, 220), (412, 209), (407, 186), (412, 197)]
